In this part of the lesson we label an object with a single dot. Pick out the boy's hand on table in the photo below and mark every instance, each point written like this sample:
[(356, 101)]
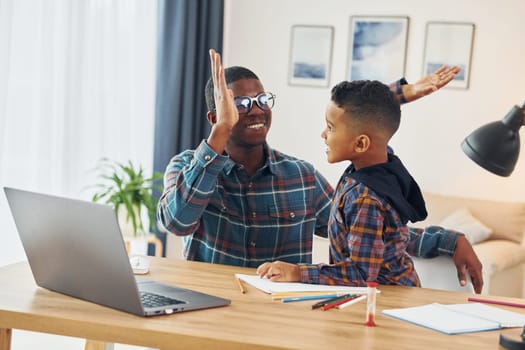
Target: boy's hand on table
[(279, 271), (467, 261)]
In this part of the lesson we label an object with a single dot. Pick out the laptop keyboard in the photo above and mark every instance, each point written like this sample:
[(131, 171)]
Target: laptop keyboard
[(155, 300)]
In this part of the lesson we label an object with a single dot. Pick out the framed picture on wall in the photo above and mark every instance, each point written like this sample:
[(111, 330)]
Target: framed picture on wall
[(451, 44), (310, 55), (377, 48)]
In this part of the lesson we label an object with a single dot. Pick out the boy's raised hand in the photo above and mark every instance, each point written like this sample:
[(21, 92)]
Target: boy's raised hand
[(429, 83)]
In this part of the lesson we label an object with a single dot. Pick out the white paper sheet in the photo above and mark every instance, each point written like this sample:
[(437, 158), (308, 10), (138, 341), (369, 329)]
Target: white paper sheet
[(268, 286)]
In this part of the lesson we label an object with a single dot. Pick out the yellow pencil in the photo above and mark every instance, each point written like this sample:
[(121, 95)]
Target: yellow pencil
[(241, 286)]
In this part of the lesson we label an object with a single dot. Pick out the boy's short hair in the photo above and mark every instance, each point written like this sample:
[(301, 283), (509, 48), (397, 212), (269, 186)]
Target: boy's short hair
[(370, 103), (231, 74)]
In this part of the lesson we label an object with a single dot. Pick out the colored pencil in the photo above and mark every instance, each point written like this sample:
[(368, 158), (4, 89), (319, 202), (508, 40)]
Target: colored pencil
[(297, 294), (352, 301), (308, 297), (241, 285), (497, 302), (338, 302), (329, 301)]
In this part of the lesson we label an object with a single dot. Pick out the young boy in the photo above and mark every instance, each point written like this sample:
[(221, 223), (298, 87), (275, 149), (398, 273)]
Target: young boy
[(374, 198)]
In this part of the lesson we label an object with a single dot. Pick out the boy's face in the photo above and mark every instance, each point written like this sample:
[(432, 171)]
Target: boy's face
[(252, 127), (339, 135)]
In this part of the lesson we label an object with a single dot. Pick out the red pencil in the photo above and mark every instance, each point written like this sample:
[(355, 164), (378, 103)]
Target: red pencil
[(338, 302), (498, 302)]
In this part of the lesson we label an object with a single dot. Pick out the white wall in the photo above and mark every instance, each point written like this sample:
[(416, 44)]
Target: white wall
[(258, 36)]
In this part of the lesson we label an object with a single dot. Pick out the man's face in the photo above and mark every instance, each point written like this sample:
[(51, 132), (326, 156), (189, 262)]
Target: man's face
[(252, 127)]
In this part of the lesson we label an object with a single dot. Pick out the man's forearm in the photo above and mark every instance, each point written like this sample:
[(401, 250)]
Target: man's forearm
[(190, 183)]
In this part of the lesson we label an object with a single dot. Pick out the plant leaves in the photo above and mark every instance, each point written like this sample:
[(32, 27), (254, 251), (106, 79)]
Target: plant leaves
[(124, 184)]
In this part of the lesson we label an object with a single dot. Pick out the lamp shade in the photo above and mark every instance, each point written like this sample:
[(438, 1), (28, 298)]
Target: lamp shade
[(496, 146)]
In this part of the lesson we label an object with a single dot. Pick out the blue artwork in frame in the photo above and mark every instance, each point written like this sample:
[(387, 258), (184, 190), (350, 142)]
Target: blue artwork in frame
[(310, 55), (377, 48), (449, 43)]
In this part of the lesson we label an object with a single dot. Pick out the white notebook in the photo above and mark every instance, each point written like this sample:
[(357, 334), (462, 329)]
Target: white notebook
[(458, 318), (268, 286)]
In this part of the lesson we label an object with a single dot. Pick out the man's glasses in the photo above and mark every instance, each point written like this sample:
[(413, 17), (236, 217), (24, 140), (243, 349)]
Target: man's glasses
[(244, 104)]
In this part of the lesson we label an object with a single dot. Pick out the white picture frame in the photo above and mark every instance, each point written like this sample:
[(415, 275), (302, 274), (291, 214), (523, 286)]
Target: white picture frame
[(377, 48), (449, 43), (310, 55)]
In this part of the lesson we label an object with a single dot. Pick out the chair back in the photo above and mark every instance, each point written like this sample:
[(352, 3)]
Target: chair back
[(440, 273)]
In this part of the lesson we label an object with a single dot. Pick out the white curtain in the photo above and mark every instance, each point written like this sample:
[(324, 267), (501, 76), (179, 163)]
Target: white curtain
[(77, 83)]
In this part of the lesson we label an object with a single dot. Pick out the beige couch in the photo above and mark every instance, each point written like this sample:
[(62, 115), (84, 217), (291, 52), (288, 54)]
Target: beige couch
[(503, 253)]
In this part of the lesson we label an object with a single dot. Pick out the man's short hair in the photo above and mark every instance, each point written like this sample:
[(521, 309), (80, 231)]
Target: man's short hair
[(370, 103), (232, 74)]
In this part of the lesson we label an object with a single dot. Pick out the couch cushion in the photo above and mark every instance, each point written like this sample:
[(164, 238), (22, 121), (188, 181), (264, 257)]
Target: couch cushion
[(498, 255), (463, 221), (506, 219)]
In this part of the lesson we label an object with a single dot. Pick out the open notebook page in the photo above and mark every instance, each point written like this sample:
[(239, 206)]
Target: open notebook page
[(458, 318)]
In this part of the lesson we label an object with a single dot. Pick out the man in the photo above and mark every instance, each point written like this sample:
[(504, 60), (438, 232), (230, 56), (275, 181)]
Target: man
[(237, 201)]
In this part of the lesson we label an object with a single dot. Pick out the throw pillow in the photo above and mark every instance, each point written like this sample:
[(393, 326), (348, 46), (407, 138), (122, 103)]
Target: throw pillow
[(463, 221)]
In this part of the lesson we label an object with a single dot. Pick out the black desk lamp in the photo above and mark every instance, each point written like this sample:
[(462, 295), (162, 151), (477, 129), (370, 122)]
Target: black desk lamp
[(496, 146)]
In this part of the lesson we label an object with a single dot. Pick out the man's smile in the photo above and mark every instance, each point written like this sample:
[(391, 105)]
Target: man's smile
[(256, 126)]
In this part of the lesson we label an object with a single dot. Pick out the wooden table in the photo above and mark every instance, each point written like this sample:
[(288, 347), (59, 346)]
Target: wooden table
[(252, 321)]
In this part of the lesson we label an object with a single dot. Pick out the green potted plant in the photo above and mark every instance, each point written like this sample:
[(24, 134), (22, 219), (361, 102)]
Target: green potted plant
[(125, 186)]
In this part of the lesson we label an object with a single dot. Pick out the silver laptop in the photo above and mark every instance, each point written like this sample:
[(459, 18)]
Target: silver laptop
[(76, 248)]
